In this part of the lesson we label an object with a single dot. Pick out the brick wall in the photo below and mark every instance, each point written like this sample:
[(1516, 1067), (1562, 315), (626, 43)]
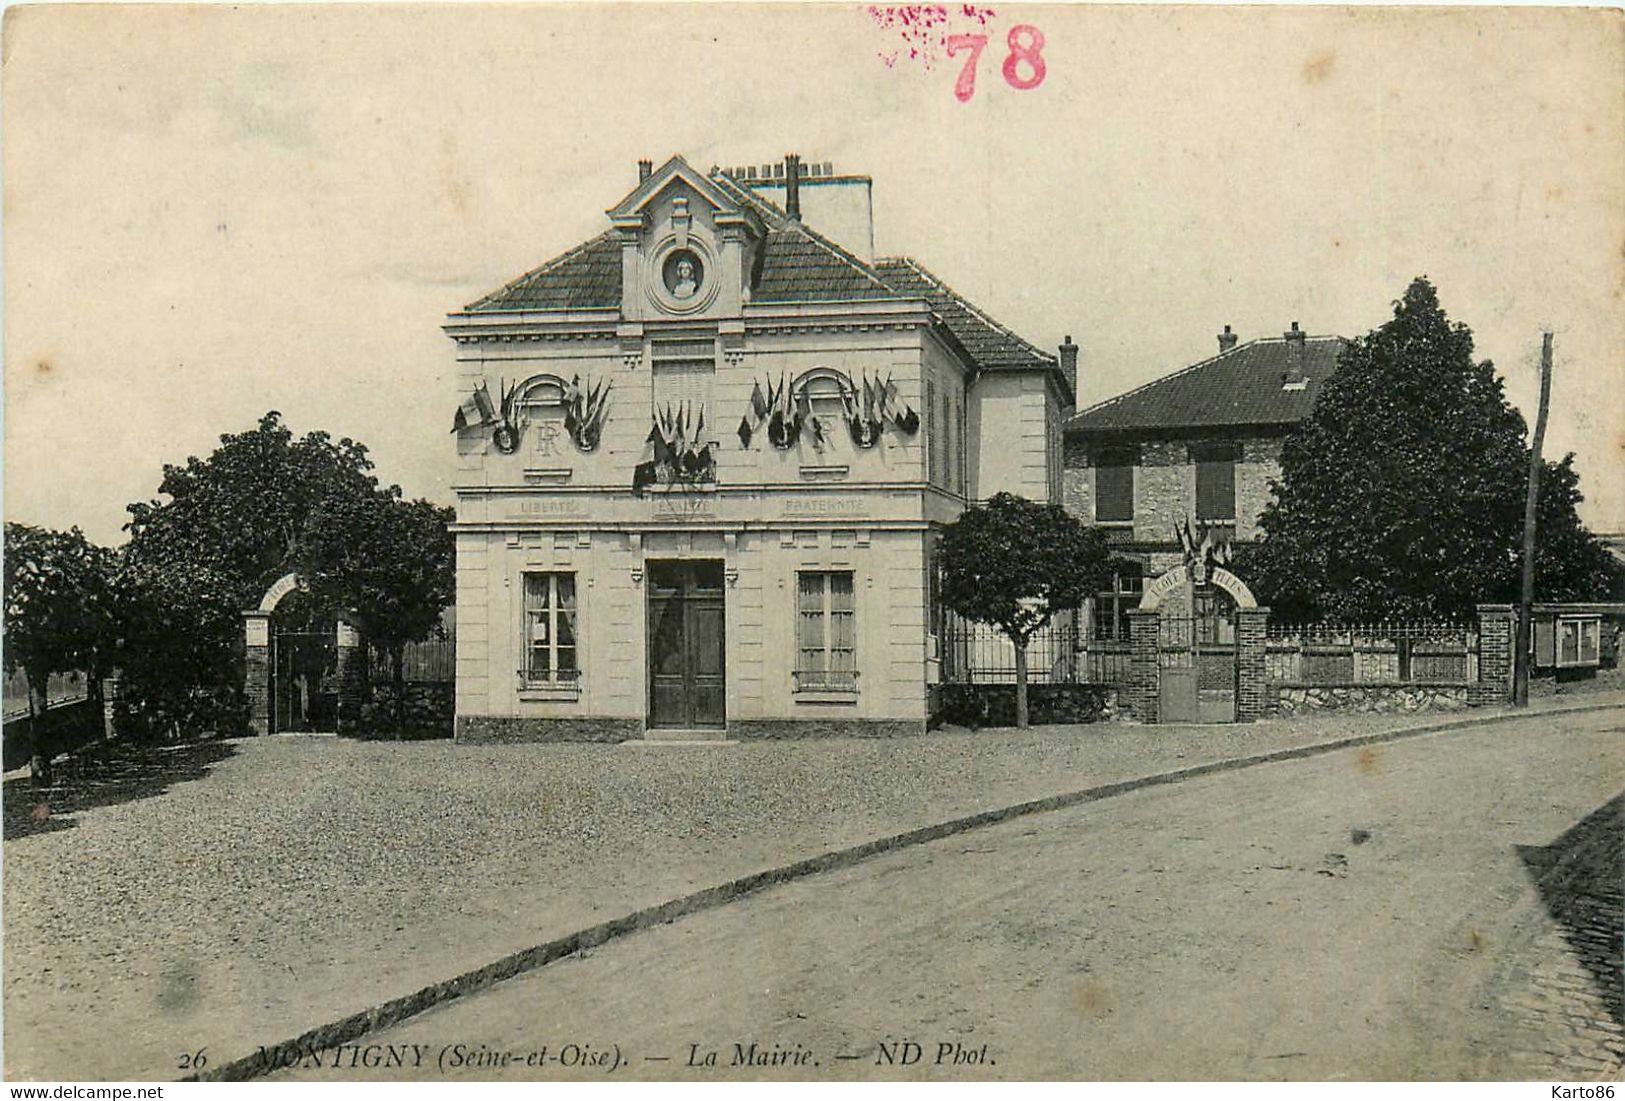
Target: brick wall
[(257, 688), (1141, 693), (1251, 624), (1495, 638)]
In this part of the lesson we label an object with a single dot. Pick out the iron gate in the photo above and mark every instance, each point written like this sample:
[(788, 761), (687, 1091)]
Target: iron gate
[(304, 688), (1196, 669)]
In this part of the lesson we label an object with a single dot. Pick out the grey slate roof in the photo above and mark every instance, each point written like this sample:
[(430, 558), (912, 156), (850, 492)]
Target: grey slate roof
[(993, 346), (1237, 388), (586, 277), (798, 265)]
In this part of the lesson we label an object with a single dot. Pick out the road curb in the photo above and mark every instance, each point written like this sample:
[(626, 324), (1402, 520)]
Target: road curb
[(351, 1028)]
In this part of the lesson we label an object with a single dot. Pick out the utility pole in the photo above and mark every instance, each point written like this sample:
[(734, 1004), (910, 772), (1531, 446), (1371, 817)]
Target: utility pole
[(1520, 651)]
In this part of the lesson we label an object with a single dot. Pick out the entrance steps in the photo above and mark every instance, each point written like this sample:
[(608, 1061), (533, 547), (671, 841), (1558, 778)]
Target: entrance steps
[(665, 737)]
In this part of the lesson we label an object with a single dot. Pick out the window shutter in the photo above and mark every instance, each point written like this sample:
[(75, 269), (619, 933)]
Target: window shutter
[(1114, 493), (1216, 490), (1114, 483)]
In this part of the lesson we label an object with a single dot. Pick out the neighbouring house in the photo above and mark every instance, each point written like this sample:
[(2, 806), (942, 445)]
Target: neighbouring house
[(1196, 447), (703, 458)]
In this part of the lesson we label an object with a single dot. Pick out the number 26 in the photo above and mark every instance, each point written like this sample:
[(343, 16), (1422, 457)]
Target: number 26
[(1026, 45)]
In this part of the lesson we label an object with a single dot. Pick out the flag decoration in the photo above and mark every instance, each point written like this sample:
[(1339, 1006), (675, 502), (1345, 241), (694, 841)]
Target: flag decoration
[(476, 411), (1201, 554), (584, 411), (679, 456), (875, 402), (506, 433), (774, 407), (787, 410)]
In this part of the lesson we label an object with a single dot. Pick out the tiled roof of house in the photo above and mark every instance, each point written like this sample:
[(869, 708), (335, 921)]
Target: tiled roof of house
[(994, 346), (1243, 386), (798, 265), (586, 277)]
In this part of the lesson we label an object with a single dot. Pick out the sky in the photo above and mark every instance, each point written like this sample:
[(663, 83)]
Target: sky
[(212, 212)]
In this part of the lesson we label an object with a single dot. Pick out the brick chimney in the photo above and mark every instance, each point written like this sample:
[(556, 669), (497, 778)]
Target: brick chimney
[(792, 186), (1227, 340), (1294, 377), (645, 170), (1069, 364)]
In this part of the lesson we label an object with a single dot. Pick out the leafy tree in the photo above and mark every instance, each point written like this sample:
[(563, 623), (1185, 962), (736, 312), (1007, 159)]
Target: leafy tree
[(262, 504), (58, 616), (1402, 495), (246, 513), (1014, 563)]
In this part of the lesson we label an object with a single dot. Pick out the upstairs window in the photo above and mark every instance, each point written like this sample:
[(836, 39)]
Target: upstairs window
[(826, 632), (1114, 484), (1215, 481), (682, 373), (930, 431)]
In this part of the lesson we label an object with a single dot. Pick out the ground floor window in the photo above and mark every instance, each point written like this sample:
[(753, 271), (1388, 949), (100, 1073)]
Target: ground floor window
[(826, 632), (550, 628), (1112, 605)]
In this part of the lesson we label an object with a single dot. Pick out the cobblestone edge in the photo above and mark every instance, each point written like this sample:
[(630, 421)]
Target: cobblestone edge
[(351, 1028)]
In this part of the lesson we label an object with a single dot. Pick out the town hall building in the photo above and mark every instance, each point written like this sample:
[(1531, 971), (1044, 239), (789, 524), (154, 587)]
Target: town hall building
[(703, 460)]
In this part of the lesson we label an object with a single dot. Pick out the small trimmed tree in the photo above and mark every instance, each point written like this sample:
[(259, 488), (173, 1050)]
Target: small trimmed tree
[(1014, 563)]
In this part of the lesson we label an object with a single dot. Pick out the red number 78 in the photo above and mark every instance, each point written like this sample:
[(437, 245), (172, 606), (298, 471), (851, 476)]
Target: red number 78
[(1026, 46)]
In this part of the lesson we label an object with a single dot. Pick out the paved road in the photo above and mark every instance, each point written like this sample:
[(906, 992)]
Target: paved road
[(1446, 907)]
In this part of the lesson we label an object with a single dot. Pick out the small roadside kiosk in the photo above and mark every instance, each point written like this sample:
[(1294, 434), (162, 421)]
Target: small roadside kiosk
[(1574, 639)]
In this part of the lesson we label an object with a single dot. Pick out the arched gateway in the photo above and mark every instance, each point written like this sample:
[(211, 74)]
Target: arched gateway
[(296, 674), (1198, 647)]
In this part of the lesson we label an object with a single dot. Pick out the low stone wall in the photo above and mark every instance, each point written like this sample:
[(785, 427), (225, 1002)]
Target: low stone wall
[(976, 705), (425, 712), (1286, 700), (513, 730)]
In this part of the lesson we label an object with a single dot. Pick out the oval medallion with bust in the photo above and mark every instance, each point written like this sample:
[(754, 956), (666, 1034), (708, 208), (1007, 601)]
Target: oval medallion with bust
[(683, 274)]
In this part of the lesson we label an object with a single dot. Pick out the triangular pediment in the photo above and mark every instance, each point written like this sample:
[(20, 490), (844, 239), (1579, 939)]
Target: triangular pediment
[(661, 179)]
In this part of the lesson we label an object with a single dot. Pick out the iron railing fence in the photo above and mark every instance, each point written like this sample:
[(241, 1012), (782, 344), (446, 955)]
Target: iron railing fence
[(1059, 653), (1412, 652), (433, 660)]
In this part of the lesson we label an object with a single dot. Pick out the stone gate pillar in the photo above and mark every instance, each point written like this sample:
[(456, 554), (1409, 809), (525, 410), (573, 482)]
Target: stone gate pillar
[(1496, 637), (1251, 627), (351, 672), (257, 670), (1143, 683)]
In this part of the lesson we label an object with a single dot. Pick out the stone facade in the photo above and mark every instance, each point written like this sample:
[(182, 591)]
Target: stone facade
[(1165, 486)]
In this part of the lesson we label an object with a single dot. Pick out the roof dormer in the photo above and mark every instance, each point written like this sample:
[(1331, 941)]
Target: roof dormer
[(685, 246)]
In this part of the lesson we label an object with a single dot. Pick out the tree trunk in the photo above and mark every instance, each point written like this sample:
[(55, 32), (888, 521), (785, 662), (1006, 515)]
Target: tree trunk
[(397, 660), (1021, 682), (39, 758)]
